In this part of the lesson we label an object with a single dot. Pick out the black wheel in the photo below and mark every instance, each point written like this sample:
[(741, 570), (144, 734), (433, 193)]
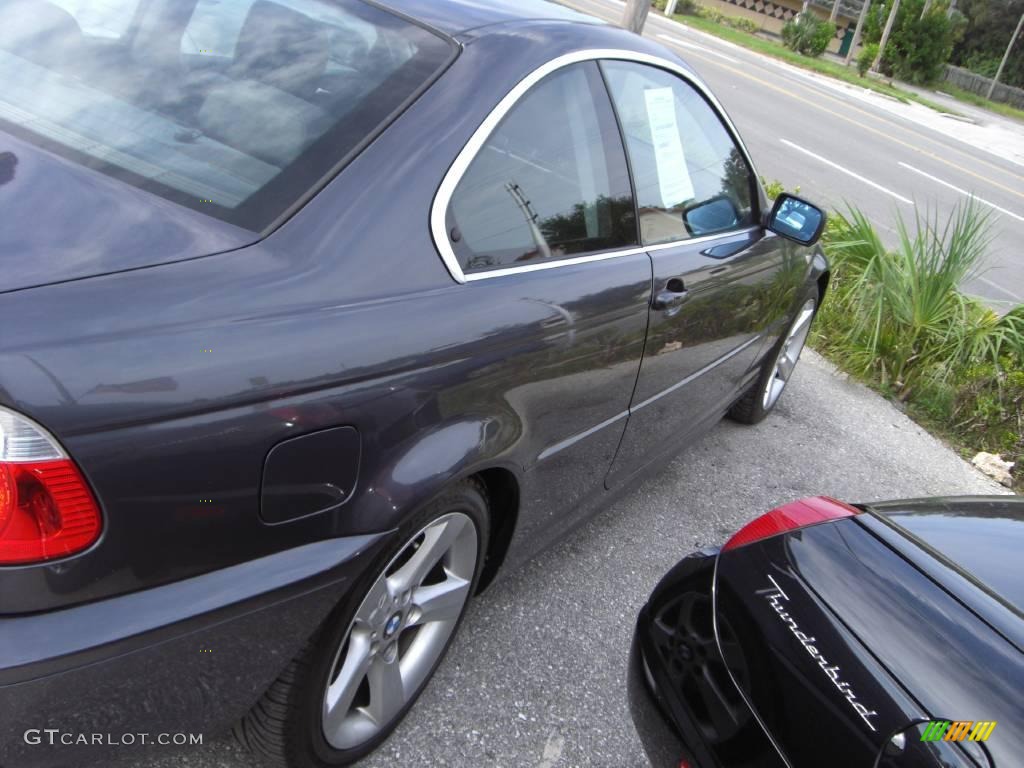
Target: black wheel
[(683, 634), (341, 697), (761, 398)]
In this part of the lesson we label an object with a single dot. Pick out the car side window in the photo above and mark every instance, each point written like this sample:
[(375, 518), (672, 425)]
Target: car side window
[(550, 182), (691, 178)]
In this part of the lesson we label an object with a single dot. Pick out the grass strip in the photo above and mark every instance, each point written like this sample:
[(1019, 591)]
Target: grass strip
[(821, 66), (1006, 110)]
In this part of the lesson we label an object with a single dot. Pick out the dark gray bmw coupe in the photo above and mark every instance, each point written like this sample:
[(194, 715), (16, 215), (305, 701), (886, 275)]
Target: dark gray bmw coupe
[(315, 315)]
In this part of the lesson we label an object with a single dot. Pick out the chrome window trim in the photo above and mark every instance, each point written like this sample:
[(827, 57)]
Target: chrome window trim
[(443, 197)]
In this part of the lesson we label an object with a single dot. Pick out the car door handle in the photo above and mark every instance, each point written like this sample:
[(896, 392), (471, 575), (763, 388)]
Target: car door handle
[(675, 293)]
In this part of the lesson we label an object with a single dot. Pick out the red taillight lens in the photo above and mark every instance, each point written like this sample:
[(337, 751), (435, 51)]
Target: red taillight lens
[(46, 511), (46, 507), (789, 517)]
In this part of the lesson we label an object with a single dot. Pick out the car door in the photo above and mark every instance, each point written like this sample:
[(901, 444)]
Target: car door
[(722, 284), (541, 228)]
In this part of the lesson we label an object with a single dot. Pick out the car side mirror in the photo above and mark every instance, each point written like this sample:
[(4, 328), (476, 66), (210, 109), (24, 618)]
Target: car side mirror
[(796, 219), (709, 216)]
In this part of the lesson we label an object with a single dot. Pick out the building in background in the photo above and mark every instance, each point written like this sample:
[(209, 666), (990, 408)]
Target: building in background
[(771, 15)]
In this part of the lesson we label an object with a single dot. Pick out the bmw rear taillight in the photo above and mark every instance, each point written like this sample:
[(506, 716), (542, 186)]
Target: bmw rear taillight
[(46, 507), (790, 517)]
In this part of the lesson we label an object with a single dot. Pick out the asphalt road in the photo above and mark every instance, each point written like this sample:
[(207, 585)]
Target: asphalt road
[(799, 129), (536, 678)]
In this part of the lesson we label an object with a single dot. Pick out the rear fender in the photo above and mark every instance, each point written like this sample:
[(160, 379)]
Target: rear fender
[(422, 468)]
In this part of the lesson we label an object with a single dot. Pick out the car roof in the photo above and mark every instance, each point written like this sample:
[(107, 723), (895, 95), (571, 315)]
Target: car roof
[(454, 16)]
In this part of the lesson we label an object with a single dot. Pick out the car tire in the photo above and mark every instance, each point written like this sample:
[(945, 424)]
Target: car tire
[(289, 726), (779, 364)]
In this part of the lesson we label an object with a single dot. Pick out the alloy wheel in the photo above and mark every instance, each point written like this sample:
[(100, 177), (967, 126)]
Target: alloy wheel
[(399, 631), (684, 635), (789, 354)]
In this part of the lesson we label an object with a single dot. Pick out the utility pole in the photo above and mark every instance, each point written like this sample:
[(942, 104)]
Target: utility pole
[(670, 7), (856, 32), (885, 34), (635, 15), (531, 219), (1016, 34)]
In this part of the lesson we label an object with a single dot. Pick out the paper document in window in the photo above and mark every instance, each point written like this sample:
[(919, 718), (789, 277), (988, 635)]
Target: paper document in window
[(673, 175)]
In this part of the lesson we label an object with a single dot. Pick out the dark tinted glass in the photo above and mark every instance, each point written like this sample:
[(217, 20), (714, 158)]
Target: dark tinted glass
[(234, 107), (550, 182), (986, 545), (691, 179)]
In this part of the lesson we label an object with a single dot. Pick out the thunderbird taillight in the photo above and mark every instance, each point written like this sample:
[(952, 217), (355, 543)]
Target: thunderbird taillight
[(789, 517), (46, 507)]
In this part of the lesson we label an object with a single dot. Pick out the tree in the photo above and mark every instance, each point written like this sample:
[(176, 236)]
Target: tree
[(921, 40), (875, 21), (921, 43), (986, 32)]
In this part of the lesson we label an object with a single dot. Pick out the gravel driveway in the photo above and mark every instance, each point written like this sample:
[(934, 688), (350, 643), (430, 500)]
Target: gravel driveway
[(536, 677)]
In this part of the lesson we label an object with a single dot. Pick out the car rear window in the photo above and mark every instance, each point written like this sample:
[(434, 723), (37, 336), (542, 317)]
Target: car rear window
[(982, 546), (237, 108)]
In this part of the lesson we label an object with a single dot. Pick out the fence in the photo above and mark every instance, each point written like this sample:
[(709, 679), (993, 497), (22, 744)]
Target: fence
[(979, 84)]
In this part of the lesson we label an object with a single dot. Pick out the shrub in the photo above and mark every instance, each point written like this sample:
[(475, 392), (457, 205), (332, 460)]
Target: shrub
[(981, 407), (866, 58), (688, 7), (898, 319), (907, 319), (988, 407), (984, 64), (743, 24), (710, 14), (986, 29), (736, 22), (774, 188), (807, 34)]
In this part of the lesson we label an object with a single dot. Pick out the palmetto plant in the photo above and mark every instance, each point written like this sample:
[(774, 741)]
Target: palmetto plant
[(899, 313)]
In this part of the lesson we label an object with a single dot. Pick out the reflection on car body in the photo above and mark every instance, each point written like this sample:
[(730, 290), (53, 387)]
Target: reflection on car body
[(827, 634)]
